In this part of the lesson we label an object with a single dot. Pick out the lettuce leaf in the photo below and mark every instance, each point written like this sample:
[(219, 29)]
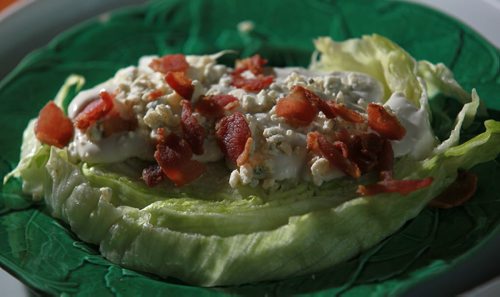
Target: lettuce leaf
[(374, 55)]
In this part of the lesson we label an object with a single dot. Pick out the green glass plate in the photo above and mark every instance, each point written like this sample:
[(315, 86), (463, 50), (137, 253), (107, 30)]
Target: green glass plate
[(46, 256)]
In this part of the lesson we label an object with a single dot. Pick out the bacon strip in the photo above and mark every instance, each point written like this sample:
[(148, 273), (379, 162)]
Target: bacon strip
[(334, 153), (254, 63), (232, 133), (170, 63), (180, 83), (194, 133), (253, 85), (245, 155), (345, 113), (155, 95), (214, 106), (296, 108), (94, 111), (173, 155), (457, 193), (53, 127), (389, 185), (365, 150), (316, 101), (153, 175), (384, 123)]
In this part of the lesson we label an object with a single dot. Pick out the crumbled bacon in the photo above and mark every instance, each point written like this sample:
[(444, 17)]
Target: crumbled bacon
[(180, 83), (214, 106), (296, 108), (345, 113), (333, 153), (316, 101), (457, 193), (173, 155), (232, 133), (193, 132), (385, 157), (170, 63), (224, 100), (94, 111), (389, 185), (153, 175), (53, 127), (365, 150), (245, 155), (253, 85), (155, 95), (254, 63), (384, 123)]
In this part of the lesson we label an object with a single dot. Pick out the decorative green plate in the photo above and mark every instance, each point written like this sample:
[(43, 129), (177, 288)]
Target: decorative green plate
[(46, 256)]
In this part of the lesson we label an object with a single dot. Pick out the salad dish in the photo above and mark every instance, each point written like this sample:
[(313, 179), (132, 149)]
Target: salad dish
[(216, 175), (269, 175)]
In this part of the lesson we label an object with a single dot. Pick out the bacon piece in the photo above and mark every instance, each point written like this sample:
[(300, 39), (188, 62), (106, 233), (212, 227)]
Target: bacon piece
[(153, 175), (214, 106), (180, 83), (253, 85), (53, 127), (225, 100), (333, 153), (173, 155), (245, 155), (171, 150), (232, 133), (384, 123), (345, 113), (94, 111), (155, 95), (385, 160), (315, 100), (389, 185), (170, 63), (457, 193), (254, 63), (185, 173), (296, 108), (194, 133), (365, 149)]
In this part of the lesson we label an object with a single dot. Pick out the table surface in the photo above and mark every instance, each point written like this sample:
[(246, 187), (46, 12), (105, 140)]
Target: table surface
[(483, 16)]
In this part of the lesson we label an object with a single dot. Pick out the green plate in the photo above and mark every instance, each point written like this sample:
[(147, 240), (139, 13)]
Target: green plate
[(46, 256)]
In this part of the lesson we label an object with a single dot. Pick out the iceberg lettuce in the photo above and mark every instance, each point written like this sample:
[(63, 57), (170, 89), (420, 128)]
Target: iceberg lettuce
[(211, 235)]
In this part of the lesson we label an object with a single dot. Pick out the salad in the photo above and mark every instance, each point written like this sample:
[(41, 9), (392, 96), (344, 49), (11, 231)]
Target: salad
[(220, 175)]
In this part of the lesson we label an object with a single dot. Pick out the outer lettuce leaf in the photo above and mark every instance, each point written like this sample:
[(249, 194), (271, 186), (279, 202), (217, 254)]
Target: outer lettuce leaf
[(70, 88), (440, 79), (374, 55), (464, 118), (31, 167), (143, 238), (33, 153), (391, 65)]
